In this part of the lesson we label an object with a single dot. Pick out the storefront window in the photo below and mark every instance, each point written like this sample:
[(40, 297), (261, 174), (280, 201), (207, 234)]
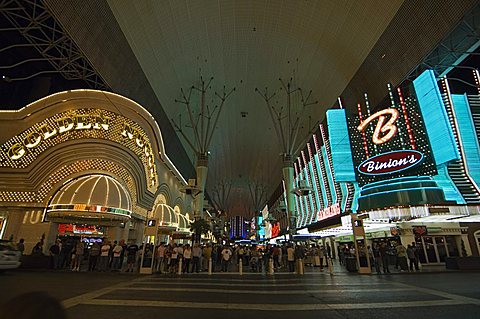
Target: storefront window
[(477, 239), (452, 246), (434, 249)]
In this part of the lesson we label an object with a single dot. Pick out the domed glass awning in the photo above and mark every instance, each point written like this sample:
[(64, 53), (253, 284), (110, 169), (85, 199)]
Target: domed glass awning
[(170, 221), (97, 199)]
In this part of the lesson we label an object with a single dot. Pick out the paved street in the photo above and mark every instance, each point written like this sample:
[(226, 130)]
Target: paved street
[(314, 295)]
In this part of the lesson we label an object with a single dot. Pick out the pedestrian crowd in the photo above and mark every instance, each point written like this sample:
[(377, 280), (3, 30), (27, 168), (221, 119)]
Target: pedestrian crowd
[(77, 255), (383, 255)]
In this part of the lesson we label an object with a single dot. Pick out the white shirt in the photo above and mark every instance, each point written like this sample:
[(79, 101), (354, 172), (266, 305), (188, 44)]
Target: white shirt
[(117, 250), (187, 253), (161, 251), (105, 250), (226, 253)]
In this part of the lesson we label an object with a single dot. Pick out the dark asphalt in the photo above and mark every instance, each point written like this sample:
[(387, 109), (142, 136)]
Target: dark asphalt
[(231, 296)]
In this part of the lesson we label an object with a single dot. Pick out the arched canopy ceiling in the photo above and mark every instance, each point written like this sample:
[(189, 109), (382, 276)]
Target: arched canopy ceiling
[(249, 44)]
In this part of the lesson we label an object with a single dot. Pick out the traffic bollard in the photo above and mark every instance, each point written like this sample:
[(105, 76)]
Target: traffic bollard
[(270, 266), (240, 267), (210, 266), (301, 270), (180, 266)]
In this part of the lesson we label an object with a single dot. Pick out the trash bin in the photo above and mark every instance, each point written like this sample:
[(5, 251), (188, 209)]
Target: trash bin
[(351, 264)]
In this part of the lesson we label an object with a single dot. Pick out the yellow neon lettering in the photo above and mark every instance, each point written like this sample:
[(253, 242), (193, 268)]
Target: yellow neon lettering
[(32, 140), (16, 151)]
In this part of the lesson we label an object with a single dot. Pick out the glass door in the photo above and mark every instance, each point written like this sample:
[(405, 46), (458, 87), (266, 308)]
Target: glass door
[(441, 248), (430, 251)]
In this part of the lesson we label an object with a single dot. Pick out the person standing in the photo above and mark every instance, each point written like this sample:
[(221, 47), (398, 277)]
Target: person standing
[(132, 250), (174, 259), (417, 256), (117, 252), (160, 258), (226, 255), (384, 256), (93, 256), (21, 246), (79, 251), (411, 258), (54, 255), (104, 256), (377, 257), (401, 256), (187, 255), (276, 252), (196, 254), (321, 256), (291, 258), (207, 255)]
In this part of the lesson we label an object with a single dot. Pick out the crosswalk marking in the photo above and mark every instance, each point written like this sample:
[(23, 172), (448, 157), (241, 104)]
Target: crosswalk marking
[(270, 307), (257, 285), (267, 292)]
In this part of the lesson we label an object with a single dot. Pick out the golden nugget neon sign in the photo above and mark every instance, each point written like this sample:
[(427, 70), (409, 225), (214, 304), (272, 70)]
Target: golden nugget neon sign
[(64, 124), (388, 128), (83, 122)]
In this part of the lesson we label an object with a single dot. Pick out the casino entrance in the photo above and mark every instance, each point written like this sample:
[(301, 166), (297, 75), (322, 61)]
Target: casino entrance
[(91, 207)]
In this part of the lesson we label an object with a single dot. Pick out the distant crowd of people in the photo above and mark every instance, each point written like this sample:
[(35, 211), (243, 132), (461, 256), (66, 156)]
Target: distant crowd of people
[(77, 255), (383, 255)]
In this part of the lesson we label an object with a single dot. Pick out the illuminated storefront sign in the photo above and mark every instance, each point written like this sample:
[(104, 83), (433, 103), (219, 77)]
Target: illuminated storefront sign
[(390, 162), (64, 124), (329, 212), (390, 142), (79, 229), (389, 128), (21, 150)]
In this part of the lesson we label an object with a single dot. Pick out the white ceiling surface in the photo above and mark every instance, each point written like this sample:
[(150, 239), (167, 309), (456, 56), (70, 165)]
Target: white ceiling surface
[(320, 43)]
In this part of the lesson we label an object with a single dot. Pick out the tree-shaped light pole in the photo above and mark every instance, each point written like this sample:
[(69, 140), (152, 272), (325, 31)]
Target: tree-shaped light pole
[(258, 196), (202, 123), (287, 121)]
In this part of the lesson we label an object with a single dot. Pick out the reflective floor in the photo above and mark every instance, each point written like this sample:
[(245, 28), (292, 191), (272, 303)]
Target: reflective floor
[(313, 295)]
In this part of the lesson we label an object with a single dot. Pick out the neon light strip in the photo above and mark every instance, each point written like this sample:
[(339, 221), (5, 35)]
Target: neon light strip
[(457, 133), (367, 104), (407, 121), (315, 176), (393, 106), (320, 164), (311, 206), (476, 76), (316, 170), (301, 211), (328, 158), (364, 137)]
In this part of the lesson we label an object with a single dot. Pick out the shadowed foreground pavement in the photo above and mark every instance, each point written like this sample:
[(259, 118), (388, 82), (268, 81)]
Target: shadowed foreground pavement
[(314, 295)]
